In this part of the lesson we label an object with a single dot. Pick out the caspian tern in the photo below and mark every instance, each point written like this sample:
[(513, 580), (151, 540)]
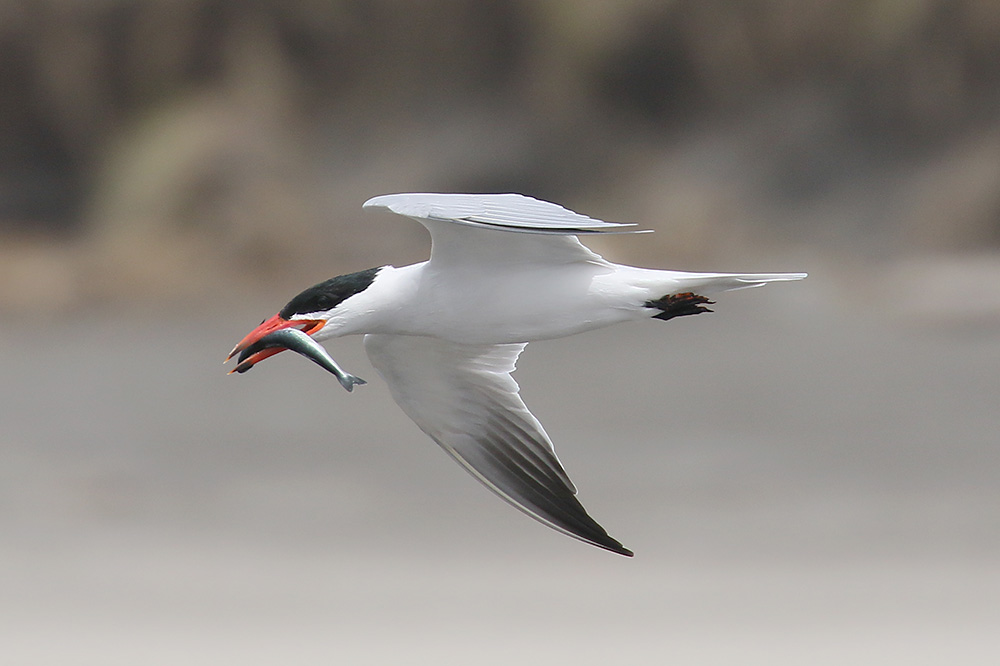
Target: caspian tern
[(444, 334)]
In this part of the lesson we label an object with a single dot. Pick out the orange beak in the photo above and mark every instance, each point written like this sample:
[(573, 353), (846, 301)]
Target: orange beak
[(275, 323)]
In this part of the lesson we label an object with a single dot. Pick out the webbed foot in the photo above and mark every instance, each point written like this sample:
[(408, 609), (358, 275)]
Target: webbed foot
[(679, 305)]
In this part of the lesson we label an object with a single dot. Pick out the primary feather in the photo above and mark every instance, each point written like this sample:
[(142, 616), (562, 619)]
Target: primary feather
[(464, 398), (514, 212)]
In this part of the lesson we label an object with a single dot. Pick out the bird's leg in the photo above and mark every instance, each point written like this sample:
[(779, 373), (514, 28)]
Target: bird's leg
[(679, 305)]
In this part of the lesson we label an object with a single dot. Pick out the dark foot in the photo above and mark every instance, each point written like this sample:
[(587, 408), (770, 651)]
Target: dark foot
[(679, 305)]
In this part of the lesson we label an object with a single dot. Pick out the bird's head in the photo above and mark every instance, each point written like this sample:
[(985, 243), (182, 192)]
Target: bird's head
[(309, 312)]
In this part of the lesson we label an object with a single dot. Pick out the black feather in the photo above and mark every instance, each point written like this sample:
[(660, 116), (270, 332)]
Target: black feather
[(327, 295)]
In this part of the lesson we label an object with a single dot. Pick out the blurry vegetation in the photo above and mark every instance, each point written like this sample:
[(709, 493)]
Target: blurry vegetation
[(156, 140)]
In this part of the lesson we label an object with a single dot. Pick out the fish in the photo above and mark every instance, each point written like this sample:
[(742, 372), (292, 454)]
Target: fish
[(300, 343)]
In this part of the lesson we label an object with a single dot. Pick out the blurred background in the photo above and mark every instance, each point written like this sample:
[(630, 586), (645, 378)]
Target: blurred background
[(809, 475)]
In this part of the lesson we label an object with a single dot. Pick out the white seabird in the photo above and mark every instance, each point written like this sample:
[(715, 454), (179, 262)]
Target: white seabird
[(444, 334)]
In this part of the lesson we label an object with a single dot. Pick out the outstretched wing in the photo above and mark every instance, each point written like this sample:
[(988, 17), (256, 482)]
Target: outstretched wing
[(544, 232), (511, 212), (464, 398)]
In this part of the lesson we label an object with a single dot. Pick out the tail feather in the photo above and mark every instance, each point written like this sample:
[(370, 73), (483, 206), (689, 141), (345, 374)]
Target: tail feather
[(707, 283)]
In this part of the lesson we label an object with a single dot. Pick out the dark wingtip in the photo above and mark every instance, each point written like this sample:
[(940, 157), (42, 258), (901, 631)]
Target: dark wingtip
[(600, 538), (616, 547)]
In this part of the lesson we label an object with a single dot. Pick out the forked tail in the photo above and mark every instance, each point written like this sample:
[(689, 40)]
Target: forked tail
[(687, 297), (709, 283)]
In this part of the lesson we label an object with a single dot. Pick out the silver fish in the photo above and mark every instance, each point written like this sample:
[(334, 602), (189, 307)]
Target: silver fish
[(299, 342)]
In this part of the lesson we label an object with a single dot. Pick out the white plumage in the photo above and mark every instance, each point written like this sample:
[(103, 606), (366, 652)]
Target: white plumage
[(444, 334)]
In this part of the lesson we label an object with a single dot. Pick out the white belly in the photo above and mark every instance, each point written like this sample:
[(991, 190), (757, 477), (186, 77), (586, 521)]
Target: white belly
[(507, 303), (519, 305)]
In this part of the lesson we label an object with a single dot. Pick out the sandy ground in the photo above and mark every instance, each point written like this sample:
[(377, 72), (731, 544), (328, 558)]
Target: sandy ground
[(802, 482)]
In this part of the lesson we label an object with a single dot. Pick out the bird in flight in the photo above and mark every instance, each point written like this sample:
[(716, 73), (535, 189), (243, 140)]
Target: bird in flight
[(444, 334)]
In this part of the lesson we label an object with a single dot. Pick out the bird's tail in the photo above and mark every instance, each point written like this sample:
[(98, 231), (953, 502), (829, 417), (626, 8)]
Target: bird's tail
[(709, 283)]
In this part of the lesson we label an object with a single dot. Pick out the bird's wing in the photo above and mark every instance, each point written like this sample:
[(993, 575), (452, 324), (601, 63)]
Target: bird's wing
[(545, 232), (464, 397)]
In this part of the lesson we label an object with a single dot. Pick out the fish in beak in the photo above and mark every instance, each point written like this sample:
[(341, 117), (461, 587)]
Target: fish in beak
[(278, 334)]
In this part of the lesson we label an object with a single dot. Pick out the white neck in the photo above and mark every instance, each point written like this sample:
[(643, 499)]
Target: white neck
[(374, 310)]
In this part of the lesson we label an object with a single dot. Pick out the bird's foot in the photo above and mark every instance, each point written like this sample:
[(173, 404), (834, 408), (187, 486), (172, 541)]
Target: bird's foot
[(679, 305)]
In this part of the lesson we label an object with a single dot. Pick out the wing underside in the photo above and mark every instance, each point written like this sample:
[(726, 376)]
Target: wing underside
[(464, 398)]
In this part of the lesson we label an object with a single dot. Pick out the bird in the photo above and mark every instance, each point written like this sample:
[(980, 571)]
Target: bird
[(445, 334)]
